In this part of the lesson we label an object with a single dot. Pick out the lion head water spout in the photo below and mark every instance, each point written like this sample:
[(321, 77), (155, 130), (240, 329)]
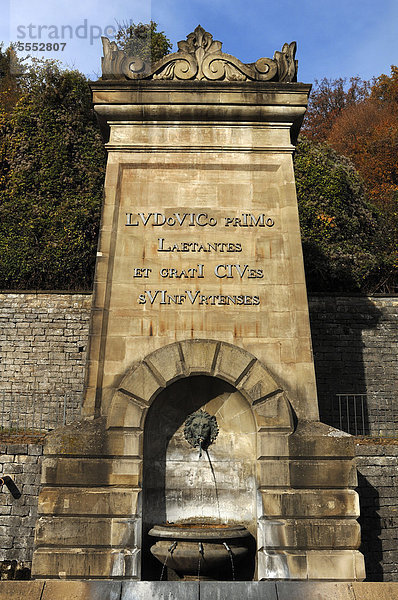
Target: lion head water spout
[(200, 430)]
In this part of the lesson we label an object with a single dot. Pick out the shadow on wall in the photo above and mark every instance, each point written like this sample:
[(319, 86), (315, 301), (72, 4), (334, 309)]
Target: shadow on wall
[(371, 545), (337, 325)]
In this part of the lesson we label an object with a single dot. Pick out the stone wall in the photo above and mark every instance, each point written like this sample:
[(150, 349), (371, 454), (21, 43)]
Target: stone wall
[(43, 340), (355, 351), (378, 496), (378, 491), (21, 461)]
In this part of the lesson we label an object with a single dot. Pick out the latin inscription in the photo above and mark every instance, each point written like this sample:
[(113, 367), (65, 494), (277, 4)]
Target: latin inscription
[(163, 297), (197, 220), (224, 271)]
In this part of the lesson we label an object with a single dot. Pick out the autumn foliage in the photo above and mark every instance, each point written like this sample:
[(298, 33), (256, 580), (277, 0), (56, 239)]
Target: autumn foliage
[(344, 246), (360, 121)]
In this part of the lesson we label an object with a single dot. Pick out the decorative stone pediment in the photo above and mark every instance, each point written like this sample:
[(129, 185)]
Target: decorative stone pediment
[(199, 57)]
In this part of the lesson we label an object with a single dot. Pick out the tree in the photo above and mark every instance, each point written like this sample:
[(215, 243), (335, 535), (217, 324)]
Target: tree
[(361, 122), (385, 88), (368, 134), (328, 99), (10, 68), (143, 40), (344, 239), (364, 127), (53, 165)]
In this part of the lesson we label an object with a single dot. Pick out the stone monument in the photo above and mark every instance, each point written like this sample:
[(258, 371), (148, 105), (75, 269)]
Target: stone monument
[(201, 422)]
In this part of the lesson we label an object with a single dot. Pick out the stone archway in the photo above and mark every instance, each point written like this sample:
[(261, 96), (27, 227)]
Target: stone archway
[(90, 503), (143, 382), (139, 389)]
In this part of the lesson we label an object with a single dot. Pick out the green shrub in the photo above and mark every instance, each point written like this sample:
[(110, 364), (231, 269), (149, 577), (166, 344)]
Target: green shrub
[(346, 243)]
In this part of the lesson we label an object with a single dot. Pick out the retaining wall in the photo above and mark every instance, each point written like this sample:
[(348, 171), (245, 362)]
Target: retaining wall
[(43, 339), (355, 342), (20, 459), (378, 495)]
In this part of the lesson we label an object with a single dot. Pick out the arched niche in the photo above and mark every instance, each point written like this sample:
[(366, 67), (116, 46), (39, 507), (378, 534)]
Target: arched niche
[(154, 399), (179, 485)]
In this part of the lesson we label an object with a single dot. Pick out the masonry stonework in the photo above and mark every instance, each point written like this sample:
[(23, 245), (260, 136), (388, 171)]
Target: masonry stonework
[(348, 342), (377, 488), (377, 466), (44, 337), (22, 462), (355, 343), (43, 340)]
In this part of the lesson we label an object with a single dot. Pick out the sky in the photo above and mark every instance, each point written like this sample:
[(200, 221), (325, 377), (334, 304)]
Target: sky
[(343, 38)]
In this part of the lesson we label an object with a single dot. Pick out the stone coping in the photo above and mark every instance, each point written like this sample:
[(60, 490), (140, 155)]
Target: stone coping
[(205, 590)]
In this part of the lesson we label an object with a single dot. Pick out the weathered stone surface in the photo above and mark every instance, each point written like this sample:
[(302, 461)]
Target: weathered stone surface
[(257, 383), (159, 590), (124, 412), (232, 362), (198, 356), (87, 531), (274, 414), (375, 591), (21, 590), (81, 437), (103, 501), (315, 439), (120, 443), (82, 590), (270, 445), (228, 590), (90, 471), (77, 562), (314, 591), (343, 565), (199, 57), (308, 533), (322, 473), (338, 564), (167, 362), (310, 503), (168, 590), (141, 382)]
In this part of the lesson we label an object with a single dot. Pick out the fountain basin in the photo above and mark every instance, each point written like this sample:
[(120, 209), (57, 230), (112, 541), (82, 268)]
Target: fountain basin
[(182, 546)]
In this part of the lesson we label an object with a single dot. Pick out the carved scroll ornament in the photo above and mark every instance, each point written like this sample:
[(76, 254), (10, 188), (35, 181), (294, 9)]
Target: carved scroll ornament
[(199, 57)]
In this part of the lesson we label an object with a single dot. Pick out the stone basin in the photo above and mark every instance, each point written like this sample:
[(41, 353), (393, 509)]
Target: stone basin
[(183, 545)]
